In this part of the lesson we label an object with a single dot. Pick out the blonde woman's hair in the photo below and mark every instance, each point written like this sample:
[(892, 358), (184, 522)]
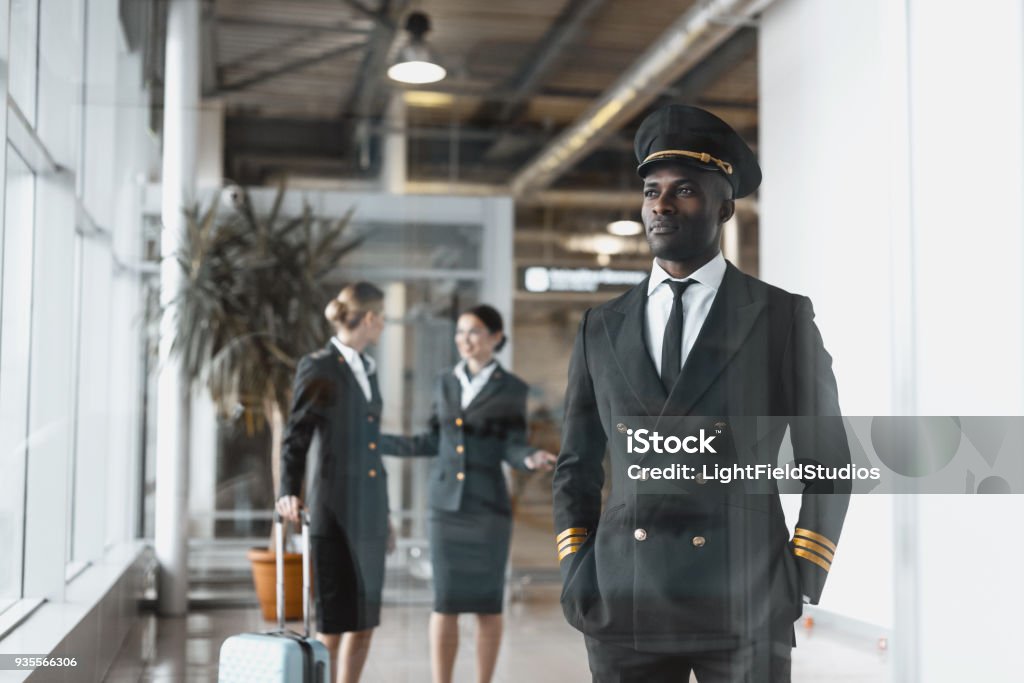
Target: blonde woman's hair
[(352, 304)]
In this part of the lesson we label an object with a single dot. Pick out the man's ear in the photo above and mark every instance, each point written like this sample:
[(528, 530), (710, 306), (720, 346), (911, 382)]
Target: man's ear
[(726, 211)]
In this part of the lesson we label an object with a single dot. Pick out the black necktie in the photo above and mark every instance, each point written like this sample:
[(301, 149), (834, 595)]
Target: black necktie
[(672, 343)]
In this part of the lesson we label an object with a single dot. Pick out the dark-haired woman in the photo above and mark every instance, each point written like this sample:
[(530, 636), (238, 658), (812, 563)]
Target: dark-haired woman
[(479, 421), (335, 397)]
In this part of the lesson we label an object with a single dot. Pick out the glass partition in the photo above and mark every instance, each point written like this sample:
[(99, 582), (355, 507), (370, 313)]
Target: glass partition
[(15, 316)]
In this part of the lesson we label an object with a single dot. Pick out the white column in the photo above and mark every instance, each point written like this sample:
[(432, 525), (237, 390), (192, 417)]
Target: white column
[(893, 199), (393, 164), (821, 147), (202, 473), (391, 368), (969, 334), (210, 160), (497, 260), (181, 102)]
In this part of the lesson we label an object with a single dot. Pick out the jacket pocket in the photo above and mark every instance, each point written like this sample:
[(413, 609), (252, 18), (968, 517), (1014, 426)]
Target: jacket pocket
[(610, 513), (766, 503), (793, 580)]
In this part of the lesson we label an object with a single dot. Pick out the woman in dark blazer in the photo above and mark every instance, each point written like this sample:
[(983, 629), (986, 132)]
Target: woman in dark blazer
[(335, 397), (479, 421)]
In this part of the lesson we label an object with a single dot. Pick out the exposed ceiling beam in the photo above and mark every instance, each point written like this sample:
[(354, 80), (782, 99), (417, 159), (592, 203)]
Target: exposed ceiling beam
[(457, 89), (714, 68), (297, 137), (244, 22), (307, 34), (462, 88), (366, 11), (260, 128), (359, 106), (563, 31), (591, 199), (291, 66), (680, 48)]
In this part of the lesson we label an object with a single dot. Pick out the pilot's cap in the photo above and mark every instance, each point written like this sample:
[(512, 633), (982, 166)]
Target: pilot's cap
[(695, 137)]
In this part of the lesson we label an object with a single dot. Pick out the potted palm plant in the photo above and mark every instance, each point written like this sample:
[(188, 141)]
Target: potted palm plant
[(250, 307)]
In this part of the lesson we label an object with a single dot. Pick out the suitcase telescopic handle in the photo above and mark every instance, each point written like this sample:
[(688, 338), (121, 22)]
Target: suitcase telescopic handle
[(280, 526)]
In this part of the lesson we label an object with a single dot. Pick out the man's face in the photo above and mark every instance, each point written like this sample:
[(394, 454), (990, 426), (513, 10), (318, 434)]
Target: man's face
[(683, 211)]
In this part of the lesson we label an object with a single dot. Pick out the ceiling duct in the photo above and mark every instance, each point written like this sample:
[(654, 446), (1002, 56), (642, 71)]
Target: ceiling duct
[(686, 42)]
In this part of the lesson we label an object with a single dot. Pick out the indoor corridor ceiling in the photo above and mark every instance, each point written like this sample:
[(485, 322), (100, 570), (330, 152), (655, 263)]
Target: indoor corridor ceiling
[(304, 92)]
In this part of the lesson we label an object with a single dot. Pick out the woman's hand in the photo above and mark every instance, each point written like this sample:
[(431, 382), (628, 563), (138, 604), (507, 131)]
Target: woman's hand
[(541, 460), (289, 507), (391, 537)]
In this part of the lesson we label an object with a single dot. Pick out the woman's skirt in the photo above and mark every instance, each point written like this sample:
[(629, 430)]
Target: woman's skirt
[(469, 553), (348, 578)]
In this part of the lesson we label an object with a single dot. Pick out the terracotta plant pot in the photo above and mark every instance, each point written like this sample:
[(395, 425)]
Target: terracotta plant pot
[(265, 579)]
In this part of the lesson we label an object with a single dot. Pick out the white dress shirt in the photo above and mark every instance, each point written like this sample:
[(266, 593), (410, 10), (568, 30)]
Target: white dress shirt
[(360, 370), (472, 387), (697, 300)]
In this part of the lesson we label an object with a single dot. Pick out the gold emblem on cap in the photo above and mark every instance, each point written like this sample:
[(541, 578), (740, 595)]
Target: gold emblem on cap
[(702, 157)]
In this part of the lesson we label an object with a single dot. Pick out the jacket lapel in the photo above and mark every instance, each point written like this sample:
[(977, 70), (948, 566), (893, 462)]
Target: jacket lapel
[(340, 365), (728, 324), (451, 392), (490, 389), (625, 326), (346, 373), (376, 402)]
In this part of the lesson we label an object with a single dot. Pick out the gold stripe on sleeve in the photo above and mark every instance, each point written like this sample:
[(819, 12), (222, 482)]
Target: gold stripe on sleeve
[(816, 547), (568, 551), (824, 564), (816, 537), (573, 531), (572, 540)]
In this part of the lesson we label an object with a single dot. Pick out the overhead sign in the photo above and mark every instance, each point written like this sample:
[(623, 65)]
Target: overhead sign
[(543, 279)]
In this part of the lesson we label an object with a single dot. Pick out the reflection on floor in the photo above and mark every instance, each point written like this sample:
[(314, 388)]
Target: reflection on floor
[(538, 647)]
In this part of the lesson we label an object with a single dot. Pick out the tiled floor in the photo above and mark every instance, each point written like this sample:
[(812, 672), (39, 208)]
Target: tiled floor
[(538, 646)]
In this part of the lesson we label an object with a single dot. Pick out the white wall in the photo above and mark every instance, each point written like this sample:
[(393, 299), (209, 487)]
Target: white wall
[(826, 231), (967, 161), (892, 143), (967, 156)]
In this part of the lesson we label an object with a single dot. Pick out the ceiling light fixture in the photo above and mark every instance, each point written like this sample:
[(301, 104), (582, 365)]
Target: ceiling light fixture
[(416, 63), (625, 228)]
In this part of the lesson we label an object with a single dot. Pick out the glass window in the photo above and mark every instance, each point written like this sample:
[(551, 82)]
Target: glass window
[(24, 55), (15, 338), (93, 450)]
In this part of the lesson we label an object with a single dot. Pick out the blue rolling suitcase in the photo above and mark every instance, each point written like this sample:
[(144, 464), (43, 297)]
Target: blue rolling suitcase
[(279, 656)]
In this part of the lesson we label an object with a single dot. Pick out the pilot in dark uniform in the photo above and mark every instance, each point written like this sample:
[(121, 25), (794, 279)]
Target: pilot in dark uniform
[(336, 399), (674, 577), (479, 421)]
